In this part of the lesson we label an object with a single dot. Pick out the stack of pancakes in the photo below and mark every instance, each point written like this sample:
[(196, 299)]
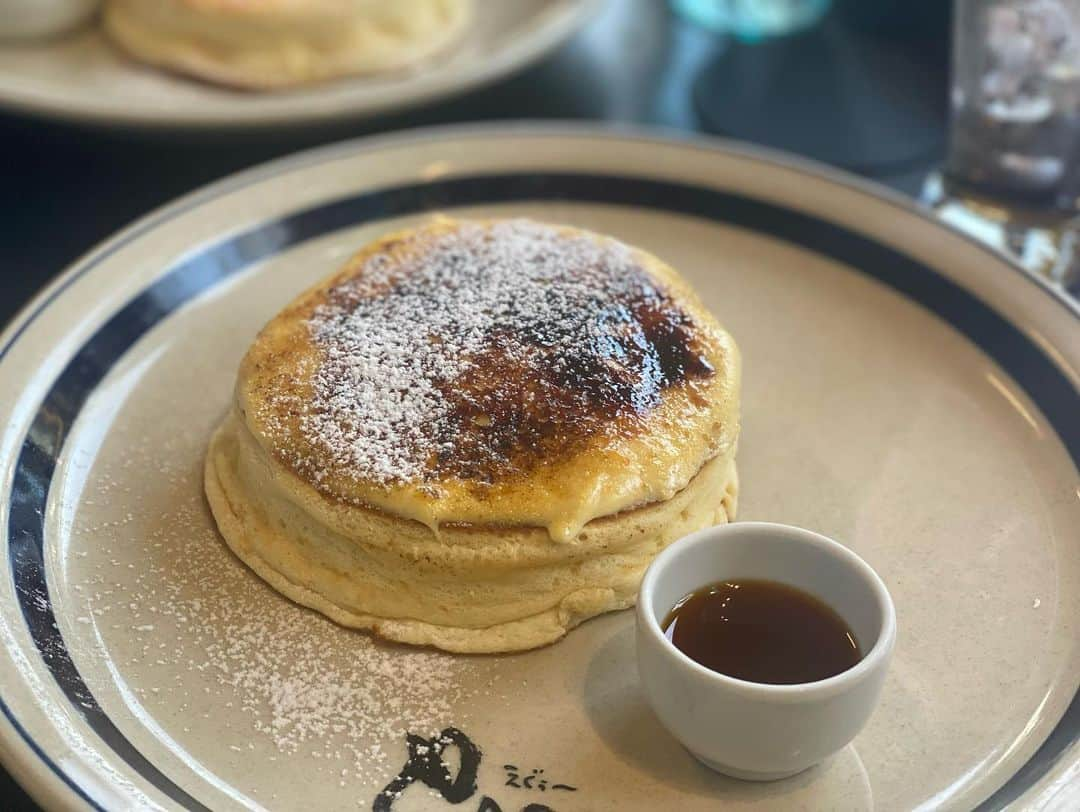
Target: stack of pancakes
[(478, 434)]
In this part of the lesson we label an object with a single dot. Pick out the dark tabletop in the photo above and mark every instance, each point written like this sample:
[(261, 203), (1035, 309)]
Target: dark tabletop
[(866, 90)]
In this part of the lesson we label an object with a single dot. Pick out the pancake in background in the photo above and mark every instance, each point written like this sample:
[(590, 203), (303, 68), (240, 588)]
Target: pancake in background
[(264, 44)]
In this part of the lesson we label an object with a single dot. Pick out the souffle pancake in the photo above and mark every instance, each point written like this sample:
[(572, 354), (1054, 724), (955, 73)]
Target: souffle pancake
[(478, 434), (268, 44)]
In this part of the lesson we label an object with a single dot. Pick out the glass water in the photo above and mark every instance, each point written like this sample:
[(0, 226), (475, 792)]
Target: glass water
[(1012, 176), (1015, 133)]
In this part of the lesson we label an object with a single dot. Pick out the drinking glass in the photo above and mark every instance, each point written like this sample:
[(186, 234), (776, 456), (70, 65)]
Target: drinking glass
[(1012, 176)]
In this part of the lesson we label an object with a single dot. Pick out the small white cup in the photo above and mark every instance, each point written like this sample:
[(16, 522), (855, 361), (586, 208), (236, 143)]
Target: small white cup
[(752, 730)]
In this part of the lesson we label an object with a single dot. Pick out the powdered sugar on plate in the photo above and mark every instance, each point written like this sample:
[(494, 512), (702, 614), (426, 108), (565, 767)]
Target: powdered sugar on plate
[(211, 639)]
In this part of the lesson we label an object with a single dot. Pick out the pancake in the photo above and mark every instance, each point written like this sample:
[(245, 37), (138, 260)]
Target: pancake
[(478, 434), (263, 44)]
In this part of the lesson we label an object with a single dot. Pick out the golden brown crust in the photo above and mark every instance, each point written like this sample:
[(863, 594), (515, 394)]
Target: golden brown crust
[(629, 377), (547, 414)]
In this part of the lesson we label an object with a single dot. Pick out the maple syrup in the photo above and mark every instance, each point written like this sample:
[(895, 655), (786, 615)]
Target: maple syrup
[(762, 631)]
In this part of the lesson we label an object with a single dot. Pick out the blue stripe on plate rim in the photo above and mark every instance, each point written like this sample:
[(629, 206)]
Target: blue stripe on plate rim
[(1037, 374)]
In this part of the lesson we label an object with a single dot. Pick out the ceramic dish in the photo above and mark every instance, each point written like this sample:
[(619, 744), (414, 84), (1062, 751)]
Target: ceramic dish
[(81, 77), (697, 703), (906, 392)]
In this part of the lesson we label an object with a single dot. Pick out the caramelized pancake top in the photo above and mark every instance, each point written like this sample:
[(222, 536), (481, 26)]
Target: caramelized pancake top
[(464, 370)]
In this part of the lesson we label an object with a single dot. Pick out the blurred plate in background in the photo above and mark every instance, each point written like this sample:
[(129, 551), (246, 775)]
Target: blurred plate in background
[(81, 77)]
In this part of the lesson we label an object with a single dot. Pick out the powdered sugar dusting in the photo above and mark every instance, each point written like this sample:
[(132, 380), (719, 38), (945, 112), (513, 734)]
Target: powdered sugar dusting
[(218, 646), (475, 348)]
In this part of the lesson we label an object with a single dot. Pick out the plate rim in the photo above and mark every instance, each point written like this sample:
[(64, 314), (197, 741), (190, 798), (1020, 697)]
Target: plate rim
[(21, 759), (523, 128), (555, 25)]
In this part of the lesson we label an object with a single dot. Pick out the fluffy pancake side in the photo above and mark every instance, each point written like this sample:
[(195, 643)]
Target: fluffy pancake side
[(471, 589)]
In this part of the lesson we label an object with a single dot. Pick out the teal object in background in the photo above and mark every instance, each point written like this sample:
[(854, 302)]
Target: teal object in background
[(752, 20)]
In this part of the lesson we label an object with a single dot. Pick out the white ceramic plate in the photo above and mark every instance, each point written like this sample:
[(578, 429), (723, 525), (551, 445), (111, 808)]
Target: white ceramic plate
[(906, 391), (83, 78)]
